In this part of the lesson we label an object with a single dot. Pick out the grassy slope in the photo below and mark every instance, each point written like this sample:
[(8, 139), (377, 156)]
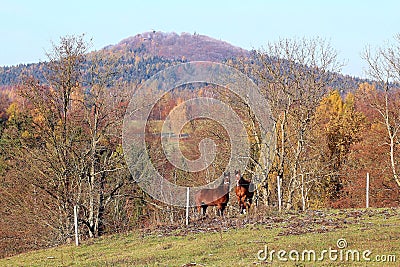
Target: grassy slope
[(378, 231)]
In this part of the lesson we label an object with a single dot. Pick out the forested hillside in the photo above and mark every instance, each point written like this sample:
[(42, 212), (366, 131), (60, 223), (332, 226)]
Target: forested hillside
[(141, 56)]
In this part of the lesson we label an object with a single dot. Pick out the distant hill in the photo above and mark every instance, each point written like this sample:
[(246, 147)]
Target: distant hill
[(184, 46), (143, 55)]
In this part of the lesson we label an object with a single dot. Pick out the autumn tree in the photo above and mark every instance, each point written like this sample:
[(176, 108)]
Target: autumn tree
[(370, 154), (339, 126), (294, 76), (71, 148)]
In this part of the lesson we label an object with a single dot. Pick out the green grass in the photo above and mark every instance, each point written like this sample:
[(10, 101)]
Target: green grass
[(376, 231)]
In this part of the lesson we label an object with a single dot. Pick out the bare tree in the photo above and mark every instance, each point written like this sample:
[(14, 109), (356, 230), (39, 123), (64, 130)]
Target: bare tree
[(101, 109), (384, 67), (48, 152)]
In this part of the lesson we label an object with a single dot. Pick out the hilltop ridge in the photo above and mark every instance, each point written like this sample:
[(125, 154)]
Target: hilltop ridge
[(184, 46)]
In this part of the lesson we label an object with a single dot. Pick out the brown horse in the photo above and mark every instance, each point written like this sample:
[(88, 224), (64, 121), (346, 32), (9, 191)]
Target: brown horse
[(244, 191), (214, 197)]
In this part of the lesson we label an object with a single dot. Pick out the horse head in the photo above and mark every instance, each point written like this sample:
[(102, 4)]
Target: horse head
[(238, 176), (227, 178)]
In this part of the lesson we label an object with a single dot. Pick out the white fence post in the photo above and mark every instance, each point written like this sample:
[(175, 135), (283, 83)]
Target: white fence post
[(278, 183), (76, 225), (303, 198), (367, 192), (187, 206)]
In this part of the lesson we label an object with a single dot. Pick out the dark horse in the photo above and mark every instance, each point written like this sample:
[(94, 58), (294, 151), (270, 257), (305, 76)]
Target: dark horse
[(214, 197), (244, 191)]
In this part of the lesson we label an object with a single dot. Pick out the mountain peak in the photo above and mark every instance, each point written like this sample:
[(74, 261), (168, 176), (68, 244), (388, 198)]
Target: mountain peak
[(179, 46)]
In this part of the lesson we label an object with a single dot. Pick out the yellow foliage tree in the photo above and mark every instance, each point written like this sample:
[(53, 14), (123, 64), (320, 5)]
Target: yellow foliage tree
[(340, 126)]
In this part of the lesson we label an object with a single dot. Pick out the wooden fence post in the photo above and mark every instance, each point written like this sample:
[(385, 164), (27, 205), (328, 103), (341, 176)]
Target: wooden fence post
[(367, 192), (76, 225), (187, 206), (278, 183)]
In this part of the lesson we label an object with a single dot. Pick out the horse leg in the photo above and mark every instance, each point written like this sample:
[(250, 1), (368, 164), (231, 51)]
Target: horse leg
[(247, 207), (240, 205), (248, 204), (221, 208), (204, 209), (244, 205), (199, 209)]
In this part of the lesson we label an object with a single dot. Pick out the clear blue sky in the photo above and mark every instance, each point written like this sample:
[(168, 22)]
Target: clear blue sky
[(28, 27)]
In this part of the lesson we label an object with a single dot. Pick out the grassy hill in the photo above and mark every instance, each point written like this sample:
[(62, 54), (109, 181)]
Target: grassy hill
[(237, 241)]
